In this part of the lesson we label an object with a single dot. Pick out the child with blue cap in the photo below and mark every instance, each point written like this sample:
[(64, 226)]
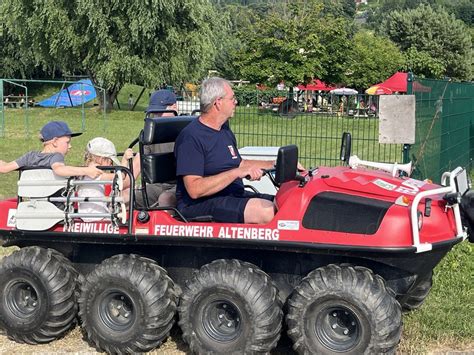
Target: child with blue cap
[(56, 139)]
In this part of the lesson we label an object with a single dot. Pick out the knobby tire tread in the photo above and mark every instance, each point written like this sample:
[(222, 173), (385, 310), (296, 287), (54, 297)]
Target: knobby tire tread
[(249, 283), (157, 292), (363, 285), (58, 279)]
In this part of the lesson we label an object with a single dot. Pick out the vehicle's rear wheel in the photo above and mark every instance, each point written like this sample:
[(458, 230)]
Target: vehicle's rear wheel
[(38, 302), (343, 310), (417, 295), (230, 306), (127, 305)]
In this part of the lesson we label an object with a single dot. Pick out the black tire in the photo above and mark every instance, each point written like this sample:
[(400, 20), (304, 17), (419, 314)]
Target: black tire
[(37, 303), (127, 305), (416, 296), (230, 306), (343, 310), (76, 275)]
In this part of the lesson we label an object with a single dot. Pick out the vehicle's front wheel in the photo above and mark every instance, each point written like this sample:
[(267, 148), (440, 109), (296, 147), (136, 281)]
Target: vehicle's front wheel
[(343, 310), (127, 305), (38, 302), (230, 306)]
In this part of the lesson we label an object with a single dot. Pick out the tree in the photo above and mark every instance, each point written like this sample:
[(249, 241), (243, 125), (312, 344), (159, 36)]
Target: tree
[(295, 44), (436, 44), (386, 7), (372, 59), (116, 42), (233, 19), (462, 9), (12, 63)]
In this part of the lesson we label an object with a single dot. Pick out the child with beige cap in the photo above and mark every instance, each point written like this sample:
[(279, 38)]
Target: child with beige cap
[(101, 152)]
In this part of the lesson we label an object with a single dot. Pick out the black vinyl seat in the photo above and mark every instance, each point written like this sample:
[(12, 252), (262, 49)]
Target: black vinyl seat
[(159, 167)]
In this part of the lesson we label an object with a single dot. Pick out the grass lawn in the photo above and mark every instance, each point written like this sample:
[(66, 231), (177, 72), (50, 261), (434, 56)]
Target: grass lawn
[(444, 321)]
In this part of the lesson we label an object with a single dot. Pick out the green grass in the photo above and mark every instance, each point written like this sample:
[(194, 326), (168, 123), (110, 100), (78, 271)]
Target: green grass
[(444, 321)]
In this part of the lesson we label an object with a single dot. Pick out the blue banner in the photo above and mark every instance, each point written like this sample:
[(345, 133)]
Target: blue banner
[(74, 95)]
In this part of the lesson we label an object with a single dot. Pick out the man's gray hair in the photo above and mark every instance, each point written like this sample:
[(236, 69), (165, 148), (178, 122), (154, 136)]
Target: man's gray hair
[(211, 90)]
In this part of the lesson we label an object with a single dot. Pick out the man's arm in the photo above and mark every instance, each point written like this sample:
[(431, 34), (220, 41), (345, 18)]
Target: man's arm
[(259, 164), (199, 186), (66, 170), (7, 167), (264, 164)]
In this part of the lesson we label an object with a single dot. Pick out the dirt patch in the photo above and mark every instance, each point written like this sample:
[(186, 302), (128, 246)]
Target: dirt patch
[(74, 342)]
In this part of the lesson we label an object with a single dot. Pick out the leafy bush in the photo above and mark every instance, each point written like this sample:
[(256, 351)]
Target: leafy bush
[(247, 95)]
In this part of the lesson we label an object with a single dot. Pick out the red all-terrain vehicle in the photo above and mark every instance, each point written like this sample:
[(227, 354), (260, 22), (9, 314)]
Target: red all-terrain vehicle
[(348, 250)]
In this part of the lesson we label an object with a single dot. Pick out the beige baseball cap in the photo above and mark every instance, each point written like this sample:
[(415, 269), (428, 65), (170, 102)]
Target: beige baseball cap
[(102, 147)]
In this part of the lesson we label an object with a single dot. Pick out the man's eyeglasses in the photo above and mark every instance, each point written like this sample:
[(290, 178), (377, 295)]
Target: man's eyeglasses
[(228, 98)]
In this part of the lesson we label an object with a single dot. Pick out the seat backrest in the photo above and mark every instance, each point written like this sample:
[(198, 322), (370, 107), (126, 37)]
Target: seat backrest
[(39, 182), (160, 167)]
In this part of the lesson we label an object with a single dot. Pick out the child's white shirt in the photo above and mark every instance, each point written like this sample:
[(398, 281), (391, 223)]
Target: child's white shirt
[(92, 207)]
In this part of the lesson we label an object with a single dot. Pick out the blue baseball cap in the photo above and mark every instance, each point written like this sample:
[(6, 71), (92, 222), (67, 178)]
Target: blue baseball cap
[(55, 129), (160, 99)]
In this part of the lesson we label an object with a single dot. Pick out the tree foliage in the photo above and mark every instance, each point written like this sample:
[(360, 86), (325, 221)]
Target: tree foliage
[(295, 44), (116, 42), (233, 19), (12, 64), (462, 9), (435, 43), (372, 59)]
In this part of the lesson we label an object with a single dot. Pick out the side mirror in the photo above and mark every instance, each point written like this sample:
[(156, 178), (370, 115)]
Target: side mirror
[(346, 147), (286, 164)]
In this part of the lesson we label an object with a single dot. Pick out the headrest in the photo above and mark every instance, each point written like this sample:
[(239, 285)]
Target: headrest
[(159, 130)]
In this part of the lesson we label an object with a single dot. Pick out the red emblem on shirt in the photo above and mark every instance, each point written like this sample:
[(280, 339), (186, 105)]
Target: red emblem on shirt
[(232, 151)]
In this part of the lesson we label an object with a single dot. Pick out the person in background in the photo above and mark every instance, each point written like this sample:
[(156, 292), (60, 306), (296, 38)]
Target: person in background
[(130, 101), (161, 194), (56, 139)]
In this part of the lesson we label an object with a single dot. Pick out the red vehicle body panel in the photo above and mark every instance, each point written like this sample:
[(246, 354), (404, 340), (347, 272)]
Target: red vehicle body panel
[(292, 201)]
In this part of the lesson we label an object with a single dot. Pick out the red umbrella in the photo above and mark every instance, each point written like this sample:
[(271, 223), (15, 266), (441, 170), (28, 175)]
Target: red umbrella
[(378, 90), (316, 85)]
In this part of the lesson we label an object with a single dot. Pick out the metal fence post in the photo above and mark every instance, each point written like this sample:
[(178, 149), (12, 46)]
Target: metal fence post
[(406, 147), (2, 112)]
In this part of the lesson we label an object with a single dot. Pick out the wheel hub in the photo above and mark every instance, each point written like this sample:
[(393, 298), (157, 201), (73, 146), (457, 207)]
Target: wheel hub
[(21, 299), (116, 311), (221, 321), (338, 328)]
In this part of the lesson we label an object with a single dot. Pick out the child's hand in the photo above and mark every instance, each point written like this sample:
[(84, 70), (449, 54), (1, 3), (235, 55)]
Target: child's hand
[(128, 154), (93, 172), (2, 162)]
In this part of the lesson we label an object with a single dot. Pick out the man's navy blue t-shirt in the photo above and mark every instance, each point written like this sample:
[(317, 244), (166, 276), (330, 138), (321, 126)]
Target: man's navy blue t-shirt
[(203, 151)]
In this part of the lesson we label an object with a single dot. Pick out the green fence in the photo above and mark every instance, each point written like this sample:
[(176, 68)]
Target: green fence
[(444, 127), (317, 132)]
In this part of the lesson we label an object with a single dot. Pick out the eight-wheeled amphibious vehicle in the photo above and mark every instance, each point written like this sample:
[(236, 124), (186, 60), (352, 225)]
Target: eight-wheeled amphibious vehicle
[(348, 249)]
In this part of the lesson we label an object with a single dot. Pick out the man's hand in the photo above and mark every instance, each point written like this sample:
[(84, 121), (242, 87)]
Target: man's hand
[(253, 172), (300, 167)]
